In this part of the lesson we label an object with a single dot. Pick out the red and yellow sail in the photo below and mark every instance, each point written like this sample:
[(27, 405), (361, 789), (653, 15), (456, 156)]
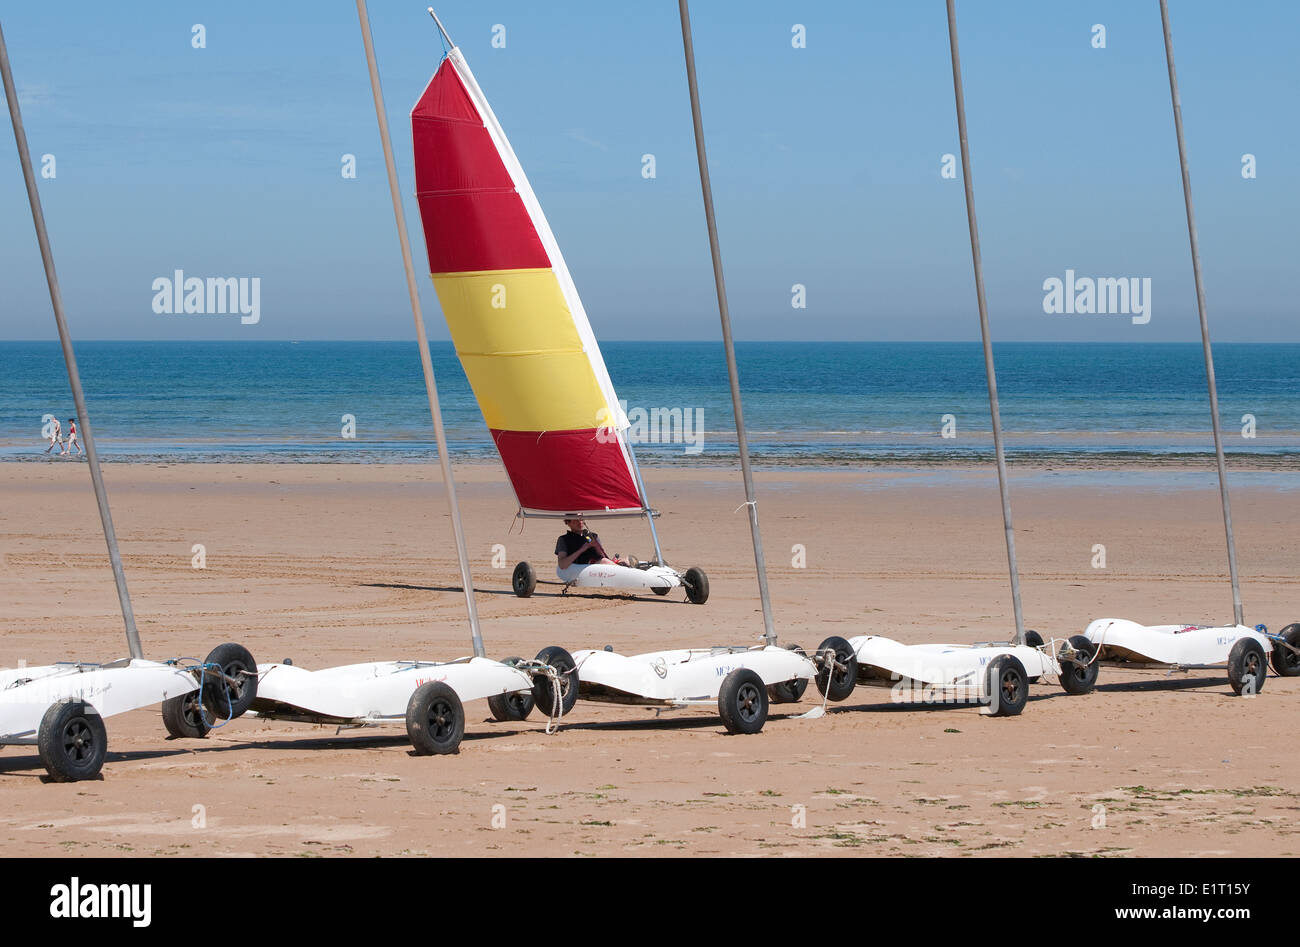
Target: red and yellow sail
[(515, 317)]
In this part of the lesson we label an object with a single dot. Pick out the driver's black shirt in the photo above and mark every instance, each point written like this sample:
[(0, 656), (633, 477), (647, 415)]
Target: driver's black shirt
[(571, 542)]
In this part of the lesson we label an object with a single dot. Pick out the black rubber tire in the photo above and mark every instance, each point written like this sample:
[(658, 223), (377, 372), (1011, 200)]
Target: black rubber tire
[(524, 580), (788, 692), (515, 706), (435, 719), (839, 685), (661, 591), (183, 716), (742, 702), (543, 694), (223, 701), (1078, 678), (1247, 667), (1006, 686), (1287, 663), (696, 584), (72, 741)]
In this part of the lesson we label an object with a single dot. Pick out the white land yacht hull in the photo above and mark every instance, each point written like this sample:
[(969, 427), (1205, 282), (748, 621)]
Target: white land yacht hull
[(741, 680), (426, 696), (1244, 652), (659, 579), (60, 708), (996, 676)]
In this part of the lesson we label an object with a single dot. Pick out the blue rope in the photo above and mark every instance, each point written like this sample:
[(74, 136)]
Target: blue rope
[(203, 667), (230, 706)]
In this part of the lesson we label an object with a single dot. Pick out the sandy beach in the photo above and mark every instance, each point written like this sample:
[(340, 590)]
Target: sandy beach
[(335, 563)]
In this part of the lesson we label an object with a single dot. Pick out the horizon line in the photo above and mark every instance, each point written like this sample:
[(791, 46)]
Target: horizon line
[(697, 341)]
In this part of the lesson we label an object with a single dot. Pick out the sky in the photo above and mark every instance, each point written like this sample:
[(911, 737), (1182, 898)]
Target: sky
[(826, 163)]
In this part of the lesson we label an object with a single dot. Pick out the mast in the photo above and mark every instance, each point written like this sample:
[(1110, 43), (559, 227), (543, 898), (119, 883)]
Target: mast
[(989, 371), (70, 358), (645, 502), (426, 362), (1205, 325), (724, 315), (445, 35)]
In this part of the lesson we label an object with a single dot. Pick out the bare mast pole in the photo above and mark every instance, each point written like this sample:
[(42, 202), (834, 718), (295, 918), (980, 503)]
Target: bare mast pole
[(70, 358), (645, 505), (728, 344), (1205, 324), (426, 362), (984, 325)]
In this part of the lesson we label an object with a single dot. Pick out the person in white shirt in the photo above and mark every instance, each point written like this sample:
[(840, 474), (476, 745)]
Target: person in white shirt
[(56, 435)]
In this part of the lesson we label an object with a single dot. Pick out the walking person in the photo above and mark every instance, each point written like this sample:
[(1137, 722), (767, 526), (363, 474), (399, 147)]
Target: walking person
[(55, 434), (72, 439)]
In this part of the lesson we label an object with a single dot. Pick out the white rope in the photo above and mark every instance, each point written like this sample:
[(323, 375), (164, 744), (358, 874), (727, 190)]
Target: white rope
[(753, 503), (553, 721), (535, 667), (1051, 650), (834, 665), (1050, 647)]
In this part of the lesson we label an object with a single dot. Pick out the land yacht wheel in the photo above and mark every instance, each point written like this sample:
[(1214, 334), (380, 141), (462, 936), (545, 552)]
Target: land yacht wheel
[(837, 683), (524, 580), (1007, 686), (1247, 667), (183, 716), (515, 706), (696, 584), (543, 687), (227, 698), (435, 719), (1079, 675), (789, 692), (1286, 662), (72, 741), (742, 702)]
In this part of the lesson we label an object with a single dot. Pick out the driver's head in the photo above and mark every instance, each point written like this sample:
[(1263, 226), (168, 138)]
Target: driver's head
[(574, 523)]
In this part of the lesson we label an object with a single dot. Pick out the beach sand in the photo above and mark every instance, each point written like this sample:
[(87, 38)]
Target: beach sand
[(332, 564)]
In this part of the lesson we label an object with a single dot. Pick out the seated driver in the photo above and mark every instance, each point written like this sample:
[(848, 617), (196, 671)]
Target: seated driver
[(582, 546)]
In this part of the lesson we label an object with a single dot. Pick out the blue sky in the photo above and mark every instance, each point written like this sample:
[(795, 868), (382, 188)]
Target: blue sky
[(225, 161)]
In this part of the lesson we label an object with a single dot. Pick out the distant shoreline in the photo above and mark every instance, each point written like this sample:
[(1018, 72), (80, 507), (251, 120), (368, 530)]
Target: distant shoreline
[(969, 462), (807, 405), (1190, 341)]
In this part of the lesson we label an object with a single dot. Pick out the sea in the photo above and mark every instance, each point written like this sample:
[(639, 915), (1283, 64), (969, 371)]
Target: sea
[(806, 404)]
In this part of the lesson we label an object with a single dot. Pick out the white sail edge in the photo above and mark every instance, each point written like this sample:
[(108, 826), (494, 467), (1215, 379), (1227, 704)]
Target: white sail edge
[(516, 171)]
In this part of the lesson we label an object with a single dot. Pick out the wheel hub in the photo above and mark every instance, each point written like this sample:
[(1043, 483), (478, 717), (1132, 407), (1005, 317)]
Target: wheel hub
[(748, 702), (1010, 684), (77, 740), (440, 720)]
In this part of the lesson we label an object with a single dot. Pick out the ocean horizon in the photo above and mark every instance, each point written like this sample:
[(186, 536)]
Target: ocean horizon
[(806, 403)]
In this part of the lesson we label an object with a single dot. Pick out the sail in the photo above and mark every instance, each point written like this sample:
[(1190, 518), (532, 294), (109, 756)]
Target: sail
[(515, 317)]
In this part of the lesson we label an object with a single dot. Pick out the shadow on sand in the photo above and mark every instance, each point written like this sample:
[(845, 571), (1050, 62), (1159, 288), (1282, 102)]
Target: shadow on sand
[(27, 763), (605, 596)]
